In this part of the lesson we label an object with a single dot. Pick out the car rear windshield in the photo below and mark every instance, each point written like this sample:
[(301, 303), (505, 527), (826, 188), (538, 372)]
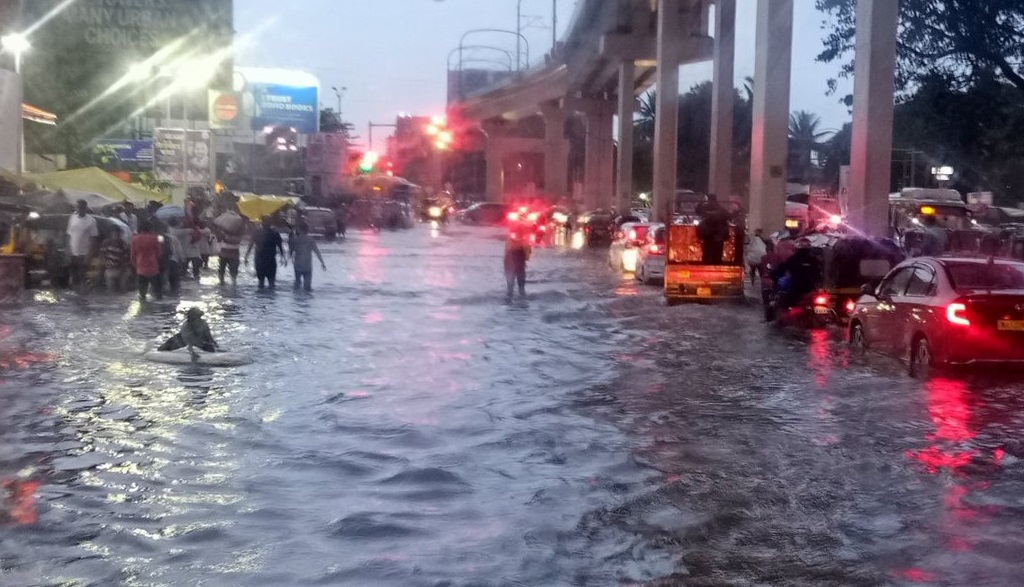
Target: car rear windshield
[(986, 275), (640, 233), (659, 236)]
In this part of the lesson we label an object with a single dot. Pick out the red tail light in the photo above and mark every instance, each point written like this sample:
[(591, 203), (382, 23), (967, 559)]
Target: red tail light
[(851, 306), (654, 249), (821, 300), (513, 216), (632, 235), (957, 314)]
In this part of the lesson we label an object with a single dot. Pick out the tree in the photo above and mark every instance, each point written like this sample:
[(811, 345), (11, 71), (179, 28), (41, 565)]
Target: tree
[(693, 159), (330, 121), (805, 139), (961, 39)]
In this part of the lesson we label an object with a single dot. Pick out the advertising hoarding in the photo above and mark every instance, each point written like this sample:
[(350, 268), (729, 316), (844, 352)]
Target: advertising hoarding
[(182, 156), (129, 151), (274, 97)]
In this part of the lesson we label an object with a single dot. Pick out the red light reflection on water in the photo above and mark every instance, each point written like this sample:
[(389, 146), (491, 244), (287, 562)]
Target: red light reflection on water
[(950, 412), (818, 358), (20, 502)]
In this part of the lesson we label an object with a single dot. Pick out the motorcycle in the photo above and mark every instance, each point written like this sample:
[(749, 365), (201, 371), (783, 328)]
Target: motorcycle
[(812, 310)]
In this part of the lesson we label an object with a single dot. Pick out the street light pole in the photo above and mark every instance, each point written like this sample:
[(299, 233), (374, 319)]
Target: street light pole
[(519, 35)]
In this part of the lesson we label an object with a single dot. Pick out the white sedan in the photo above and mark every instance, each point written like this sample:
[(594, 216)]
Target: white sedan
[(650, 266), (625, 249)]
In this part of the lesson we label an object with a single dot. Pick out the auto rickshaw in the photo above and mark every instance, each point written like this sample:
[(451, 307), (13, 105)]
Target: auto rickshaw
[(689, 278), (848, 263)]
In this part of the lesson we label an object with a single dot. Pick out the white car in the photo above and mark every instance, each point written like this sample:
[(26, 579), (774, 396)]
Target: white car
[(624, 252), (650, 266)]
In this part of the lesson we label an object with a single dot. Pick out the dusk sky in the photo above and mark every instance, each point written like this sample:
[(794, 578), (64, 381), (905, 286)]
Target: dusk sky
[(391, 54)]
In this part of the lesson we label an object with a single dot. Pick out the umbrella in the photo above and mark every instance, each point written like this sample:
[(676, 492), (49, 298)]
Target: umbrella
[(96, 181), (59, 223), (256, 207), (168, 213)]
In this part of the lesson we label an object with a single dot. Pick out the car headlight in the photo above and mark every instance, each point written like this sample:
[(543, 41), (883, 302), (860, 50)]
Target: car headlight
[(434, 212)]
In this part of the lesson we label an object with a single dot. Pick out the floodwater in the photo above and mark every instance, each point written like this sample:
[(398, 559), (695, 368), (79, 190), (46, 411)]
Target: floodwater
[(404, 426)]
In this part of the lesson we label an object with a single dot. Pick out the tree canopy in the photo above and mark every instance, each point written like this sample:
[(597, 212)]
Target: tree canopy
[(960, 39)]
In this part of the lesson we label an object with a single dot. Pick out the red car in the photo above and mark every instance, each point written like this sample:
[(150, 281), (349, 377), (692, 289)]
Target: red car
[(943, 311)]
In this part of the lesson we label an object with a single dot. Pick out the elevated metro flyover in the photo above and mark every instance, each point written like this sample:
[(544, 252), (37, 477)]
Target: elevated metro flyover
[(617, 49)]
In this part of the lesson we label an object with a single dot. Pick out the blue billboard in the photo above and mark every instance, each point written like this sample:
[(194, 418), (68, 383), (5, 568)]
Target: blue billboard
[(281, 105), (129, 151)]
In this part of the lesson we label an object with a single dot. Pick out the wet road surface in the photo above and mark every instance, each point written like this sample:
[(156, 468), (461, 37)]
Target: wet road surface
[(404, 426)]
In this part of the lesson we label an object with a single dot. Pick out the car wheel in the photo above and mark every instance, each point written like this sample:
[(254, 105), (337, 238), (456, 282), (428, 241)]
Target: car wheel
[(921, 358), (857, 340)]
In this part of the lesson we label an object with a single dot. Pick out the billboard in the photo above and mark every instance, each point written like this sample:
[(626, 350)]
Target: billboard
[(182, 156), (129, 151), (272, 97)]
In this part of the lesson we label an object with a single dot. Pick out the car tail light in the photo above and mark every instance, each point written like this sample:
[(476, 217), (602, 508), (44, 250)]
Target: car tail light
[(513, 216), (533, 217), (632, 235), (821, 300), (957, 314), (654, 249), (851, 306)]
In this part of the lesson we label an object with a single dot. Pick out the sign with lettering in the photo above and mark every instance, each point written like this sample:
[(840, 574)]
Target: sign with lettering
[(281, 105), (145, 24)]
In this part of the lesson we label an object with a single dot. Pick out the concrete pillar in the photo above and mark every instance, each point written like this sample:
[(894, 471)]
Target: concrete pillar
[(666, 104), (11, 123), (627, 106), (769, 144), (495, 162), (598, 187), (556, 151), (873, 89), (723, 99)]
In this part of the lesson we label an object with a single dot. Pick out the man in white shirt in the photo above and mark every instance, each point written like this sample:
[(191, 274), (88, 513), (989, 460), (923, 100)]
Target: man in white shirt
[(83, 236)]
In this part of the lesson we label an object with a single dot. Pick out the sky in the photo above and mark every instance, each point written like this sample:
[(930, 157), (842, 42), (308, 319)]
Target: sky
[(391, 54)]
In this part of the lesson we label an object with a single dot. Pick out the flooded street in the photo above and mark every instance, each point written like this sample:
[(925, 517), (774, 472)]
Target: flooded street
[(403, 426)]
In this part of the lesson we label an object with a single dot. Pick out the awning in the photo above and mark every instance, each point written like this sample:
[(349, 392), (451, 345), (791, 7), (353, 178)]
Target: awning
[(96, 181), (33, 114)]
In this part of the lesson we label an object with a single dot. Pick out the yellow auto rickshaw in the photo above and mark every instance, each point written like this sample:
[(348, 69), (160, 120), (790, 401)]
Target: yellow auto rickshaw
[(691, 275)]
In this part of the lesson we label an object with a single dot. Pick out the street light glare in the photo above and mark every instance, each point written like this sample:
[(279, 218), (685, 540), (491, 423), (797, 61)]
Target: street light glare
[(139, 72), (15, 43)]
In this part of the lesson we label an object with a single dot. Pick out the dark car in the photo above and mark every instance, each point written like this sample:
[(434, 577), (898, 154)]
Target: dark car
[(321, 221), (943, 311), (598, 229), (485, 213)]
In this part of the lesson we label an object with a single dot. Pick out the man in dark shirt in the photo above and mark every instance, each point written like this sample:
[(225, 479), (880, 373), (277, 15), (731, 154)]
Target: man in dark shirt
[(267, 242)]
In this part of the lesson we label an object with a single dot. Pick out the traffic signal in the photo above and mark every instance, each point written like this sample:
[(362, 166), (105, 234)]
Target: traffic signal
[(369, 162)]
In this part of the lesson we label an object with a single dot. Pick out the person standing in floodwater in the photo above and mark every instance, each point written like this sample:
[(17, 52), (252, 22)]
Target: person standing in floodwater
[(267, 242), (302, 247), (517, 253)]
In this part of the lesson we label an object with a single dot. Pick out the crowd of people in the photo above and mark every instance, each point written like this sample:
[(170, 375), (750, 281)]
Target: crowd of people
[(164, 250)]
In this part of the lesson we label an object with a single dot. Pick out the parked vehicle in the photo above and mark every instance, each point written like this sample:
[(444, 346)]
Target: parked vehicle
[(933, 312)]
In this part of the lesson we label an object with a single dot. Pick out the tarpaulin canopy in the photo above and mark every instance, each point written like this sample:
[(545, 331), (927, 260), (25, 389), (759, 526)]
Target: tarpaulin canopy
[(255, 207), (96, 181), (56, 202)]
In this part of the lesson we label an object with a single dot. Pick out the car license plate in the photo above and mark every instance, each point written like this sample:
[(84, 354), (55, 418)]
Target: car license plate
[(821, 310), (703, 292), (1015, 325)]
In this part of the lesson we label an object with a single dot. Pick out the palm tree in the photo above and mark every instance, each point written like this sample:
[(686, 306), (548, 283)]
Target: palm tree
[(805, 139)]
